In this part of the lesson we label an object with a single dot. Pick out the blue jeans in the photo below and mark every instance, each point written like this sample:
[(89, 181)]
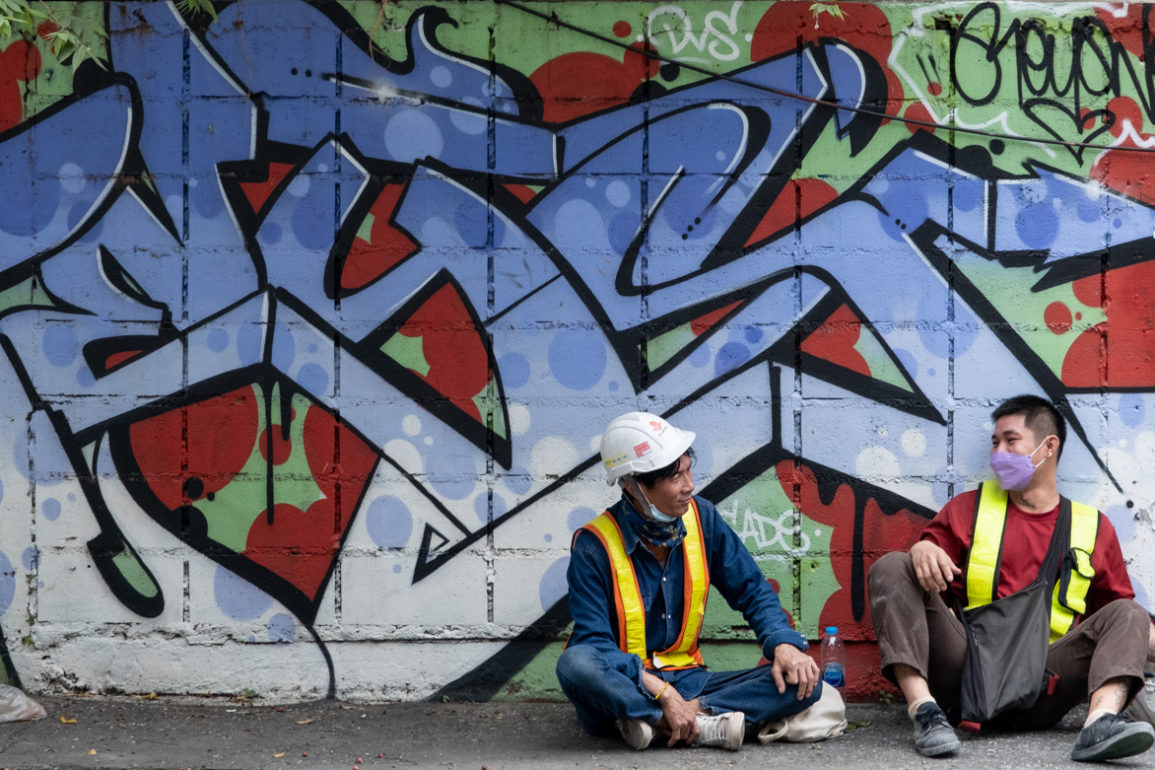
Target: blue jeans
[(605, 688)]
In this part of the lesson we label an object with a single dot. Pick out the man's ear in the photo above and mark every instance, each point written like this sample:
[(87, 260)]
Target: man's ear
[(1052, 442)]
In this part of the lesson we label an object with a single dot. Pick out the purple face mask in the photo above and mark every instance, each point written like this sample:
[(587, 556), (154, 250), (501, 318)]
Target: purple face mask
[(1013, 470)]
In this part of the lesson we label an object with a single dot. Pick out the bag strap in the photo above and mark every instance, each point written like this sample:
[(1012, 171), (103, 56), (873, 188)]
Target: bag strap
[(1049, 570), (1060, 544)]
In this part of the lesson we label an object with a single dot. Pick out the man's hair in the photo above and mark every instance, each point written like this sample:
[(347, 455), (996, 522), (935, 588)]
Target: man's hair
[(1039, 415), (650, 478)]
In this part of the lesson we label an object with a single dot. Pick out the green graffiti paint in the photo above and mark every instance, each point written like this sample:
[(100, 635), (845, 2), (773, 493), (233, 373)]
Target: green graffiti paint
[(134, 574)]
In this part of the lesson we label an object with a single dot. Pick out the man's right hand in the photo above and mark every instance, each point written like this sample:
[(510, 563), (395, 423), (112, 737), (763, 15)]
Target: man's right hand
[(932, 566), (681, 716)]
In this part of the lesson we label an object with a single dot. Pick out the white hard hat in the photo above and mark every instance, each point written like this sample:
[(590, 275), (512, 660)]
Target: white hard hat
[(639, 442)]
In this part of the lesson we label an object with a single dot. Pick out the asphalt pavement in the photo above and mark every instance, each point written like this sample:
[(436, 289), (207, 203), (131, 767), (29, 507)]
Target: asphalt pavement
[(131, 732)]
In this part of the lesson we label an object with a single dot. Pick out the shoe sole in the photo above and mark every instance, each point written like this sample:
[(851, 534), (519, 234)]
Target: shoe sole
[(935, 751), (636, 737), (1123, 745), (738, 724)]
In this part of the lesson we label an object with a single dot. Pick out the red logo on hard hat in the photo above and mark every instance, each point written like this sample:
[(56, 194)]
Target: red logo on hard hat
[(657, 426), (642, 449)]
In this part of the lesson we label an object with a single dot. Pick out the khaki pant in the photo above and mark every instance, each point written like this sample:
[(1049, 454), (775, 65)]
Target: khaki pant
[(918, 629)]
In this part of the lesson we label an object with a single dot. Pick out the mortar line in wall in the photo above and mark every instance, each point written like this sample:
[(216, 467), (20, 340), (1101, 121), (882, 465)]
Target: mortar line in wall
[(186, 594), (797, 395), (643, 258), (1104, 266), (489, 480), (489, 615), (796, 400), (337, 583), (186, 79), (950, 372), (339, 159), (950, 314), (34, 579), (339, 503), (950, 485), (339, 90)]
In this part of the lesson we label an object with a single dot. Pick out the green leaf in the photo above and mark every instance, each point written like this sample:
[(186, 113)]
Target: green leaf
[(819, 8), (197, 6)]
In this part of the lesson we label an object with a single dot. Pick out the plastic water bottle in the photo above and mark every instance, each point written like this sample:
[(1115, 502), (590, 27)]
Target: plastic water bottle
[(833, 658)]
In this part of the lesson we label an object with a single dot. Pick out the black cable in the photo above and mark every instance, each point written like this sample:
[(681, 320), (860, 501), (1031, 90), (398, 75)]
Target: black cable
[(553, 19)]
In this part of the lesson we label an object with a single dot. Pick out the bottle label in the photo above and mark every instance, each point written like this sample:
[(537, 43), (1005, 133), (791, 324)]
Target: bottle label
[(834, 675)]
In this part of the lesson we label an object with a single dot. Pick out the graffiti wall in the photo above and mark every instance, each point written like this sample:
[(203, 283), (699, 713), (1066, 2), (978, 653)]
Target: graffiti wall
[(311, 313)]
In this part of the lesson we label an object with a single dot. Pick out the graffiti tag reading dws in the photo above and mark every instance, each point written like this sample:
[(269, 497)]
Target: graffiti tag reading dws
[(674, 25)]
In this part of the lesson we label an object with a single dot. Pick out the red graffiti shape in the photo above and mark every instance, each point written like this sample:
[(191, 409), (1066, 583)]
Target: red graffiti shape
[(1057, 317), (705, 323), (340, 462), (881, 533), (521, 192), (121, 357), (456, 356), (257, 193), (220, 435), (18, 62), (918, 114), (1128, 28), (1126, 172), (1125, 110), (1116, 353), (835, 339), (1123, 171), (799, 199), (282, 444), (368, 260), (577, 84), (297, 545), (300, 546)]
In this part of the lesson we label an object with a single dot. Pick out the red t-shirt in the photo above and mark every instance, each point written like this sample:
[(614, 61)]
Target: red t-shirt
[(1026, 538)]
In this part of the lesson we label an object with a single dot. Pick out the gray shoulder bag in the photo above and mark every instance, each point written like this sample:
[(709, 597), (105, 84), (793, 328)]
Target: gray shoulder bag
[(1006, 658)]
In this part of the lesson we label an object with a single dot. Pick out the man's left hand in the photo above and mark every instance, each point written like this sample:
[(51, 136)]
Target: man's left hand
[(792, 666)]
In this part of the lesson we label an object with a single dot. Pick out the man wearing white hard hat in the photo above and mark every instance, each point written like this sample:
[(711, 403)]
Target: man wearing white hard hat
[(638, 579)]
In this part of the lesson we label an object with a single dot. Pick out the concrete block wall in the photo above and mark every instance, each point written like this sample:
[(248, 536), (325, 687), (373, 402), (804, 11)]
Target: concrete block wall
[(311, 314)]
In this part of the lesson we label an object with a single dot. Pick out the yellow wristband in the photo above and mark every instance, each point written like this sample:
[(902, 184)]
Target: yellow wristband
[(659, 695)]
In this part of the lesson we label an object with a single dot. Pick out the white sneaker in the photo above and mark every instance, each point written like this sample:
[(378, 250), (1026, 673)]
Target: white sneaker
[(724, 731), (637, 733)]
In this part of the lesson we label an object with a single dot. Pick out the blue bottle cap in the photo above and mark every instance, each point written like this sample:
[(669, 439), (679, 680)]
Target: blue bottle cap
[(831, 630)]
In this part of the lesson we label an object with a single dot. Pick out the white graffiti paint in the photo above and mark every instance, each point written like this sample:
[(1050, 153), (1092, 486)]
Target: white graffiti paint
[(673, 25)]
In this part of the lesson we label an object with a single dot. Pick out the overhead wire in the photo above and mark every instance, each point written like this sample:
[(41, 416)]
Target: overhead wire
[(552, 18)]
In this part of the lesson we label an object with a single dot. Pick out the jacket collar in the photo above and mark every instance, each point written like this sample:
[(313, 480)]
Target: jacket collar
[(630, 537)]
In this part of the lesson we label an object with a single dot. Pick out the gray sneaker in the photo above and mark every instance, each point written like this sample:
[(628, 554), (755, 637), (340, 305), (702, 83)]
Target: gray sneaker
[(1112, 736), (933, 735), (638, 734), (723, 731)]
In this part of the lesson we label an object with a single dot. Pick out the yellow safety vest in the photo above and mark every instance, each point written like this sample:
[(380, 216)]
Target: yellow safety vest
[(631, 612), (1070, 596)]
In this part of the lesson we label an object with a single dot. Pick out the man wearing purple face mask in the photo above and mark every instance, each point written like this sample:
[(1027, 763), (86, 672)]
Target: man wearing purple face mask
[(989, 543)]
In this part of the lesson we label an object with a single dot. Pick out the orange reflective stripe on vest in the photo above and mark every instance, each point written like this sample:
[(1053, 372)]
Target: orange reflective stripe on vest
[(631, 612), (1070, 595), (627, 595)]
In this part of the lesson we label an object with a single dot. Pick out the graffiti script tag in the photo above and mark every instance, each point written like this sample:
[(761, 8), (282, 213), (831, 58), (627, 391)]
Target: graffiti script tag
[(716, 38)]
